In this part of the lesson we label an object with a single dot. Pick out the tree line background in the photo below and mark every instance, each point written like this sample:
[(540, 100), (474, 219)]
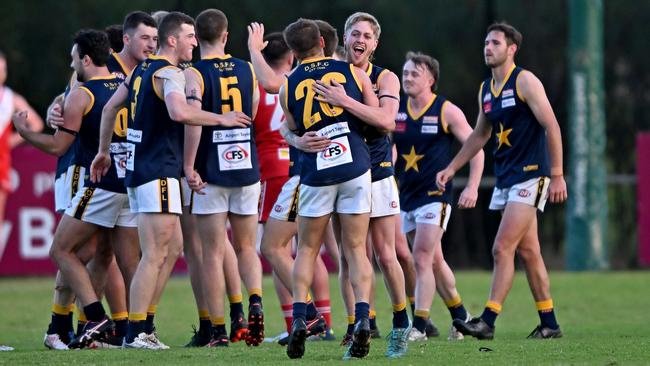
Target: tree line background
[(36, 38)]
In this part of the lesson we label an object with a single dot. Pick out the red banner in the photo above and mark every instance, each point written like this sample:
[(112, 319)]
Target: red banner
[(643, 196), (30, 221)]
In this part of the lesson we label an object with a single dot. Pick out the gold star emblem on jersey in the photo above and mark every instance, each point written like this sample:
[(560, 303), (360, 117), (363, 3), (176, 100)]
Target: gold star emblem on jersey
[(502, 136), (412, 160)]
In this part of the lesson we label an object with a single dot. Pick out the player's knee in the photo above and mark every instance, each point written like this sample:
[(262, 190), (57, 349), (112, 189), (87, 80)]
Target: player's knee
[(501, 251), (529, 253)]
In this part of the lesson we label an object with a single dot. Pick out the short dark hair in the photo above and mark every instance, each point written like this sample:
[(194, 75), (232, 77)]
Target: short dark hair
[(133, 19), (93, 43), (276, 49), (302, 36), (428, 62), (329, 36), (210, 25), (171, 25), (114, 33), (512, 35)]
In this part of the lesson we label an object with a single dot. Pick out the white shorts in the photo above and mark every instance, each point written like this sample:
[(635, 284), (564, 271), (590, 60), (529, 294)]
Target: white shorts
[(158, 196), (101, 207), (186, 192), (65, 188), (351, 197), (533, 192), (217, 199), (385, 198), (286, 206), (435, 213)]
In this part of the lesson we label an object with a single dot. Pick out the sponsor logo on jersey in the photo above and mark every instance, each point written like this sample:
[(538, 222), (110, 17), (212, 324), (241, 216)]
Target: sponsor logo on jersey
[(430, 119), (235, 154), (507, 93), (487, 107), (487, 97), (400, 127), (401, 117), (334, 151), (510, 102)]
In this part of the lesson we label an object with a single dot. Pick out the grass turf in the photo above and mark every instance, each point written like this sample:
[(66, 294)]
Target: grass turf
[(603, 317)]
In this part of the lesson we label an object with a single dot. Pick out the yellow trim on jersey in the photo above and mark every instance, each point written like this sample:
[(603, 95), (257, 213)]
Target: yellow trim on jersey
[(200, 77), (92, 99), (153, 80), (415, 117), (254, 77), (369, 69), (211, 57), (158, 57), (480, 94), (383, 73), (521, 97), (314, 59), (443, 120), (496, 93), (120, 62), (107, 77), (286, 92), (354, 75)]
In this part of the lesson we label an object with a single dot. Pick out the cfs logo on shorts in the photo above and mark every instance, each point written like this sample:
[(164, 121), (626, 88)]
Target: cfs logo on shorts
[(523, 193), (235, 154), (334, 151), (277, 208)]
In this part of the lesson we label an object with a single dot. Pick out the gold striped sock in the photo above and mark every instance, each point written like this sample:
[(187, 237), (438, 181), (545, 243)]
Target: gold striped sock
[(204, 314), (399, 307), (255, 291), (372, 314), (422, 313), (218, 320), (60, 310), (494, 306), (235, 298), (412, 299), (350, 319), (152, 309), (545, 305), (120, 316), (456, 301), (137, 317)]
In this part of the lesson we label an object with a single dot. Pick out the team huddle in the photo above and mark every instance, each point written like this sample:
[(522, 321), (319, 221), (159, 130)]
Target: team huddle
[(160, 155)]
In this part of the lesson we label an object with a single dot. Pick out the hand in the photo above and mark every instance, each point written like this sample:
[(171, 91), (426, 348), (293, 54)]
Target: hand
[(100, 166), (256, 37), (20, 121), (443, 177), (557, 191), (54, 117), (312, 142), (235, 119), (468, 198), (333, 94), (194, 181)]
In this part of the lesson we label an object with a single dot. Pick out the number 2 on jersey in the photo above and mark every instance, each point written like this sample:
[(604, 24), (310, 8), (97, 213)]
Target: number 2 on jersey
[(305, 90)]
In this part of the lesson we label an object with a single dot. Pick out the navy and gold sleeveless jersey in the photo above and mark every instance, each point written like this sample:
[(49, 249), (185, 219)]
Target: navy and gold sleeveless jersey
[(347, 157), (381, 153), (294, 161), (521, 152), (155, 141), (227, 156), (100, 90), (116, 66), (65, 160), (423, 144)]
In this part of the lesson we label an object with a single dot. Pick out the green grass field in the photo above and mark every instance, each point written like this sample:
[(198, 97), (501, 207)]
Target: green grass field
[(604, 317)]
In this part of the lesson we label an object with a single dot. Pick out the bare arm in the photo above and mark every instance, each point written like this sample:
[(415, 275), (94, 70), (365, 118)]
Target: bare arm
[(381, 116), (270, 81), (34, 121), (532, 91), (192, 136), (58, 143), (455, 119)]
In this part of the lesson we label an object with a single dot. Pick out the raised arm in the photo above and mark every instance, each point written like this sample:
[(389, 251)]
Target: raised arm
[(34, 121), (382, 115), (532, 91), (270, 81), (457, 124)]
